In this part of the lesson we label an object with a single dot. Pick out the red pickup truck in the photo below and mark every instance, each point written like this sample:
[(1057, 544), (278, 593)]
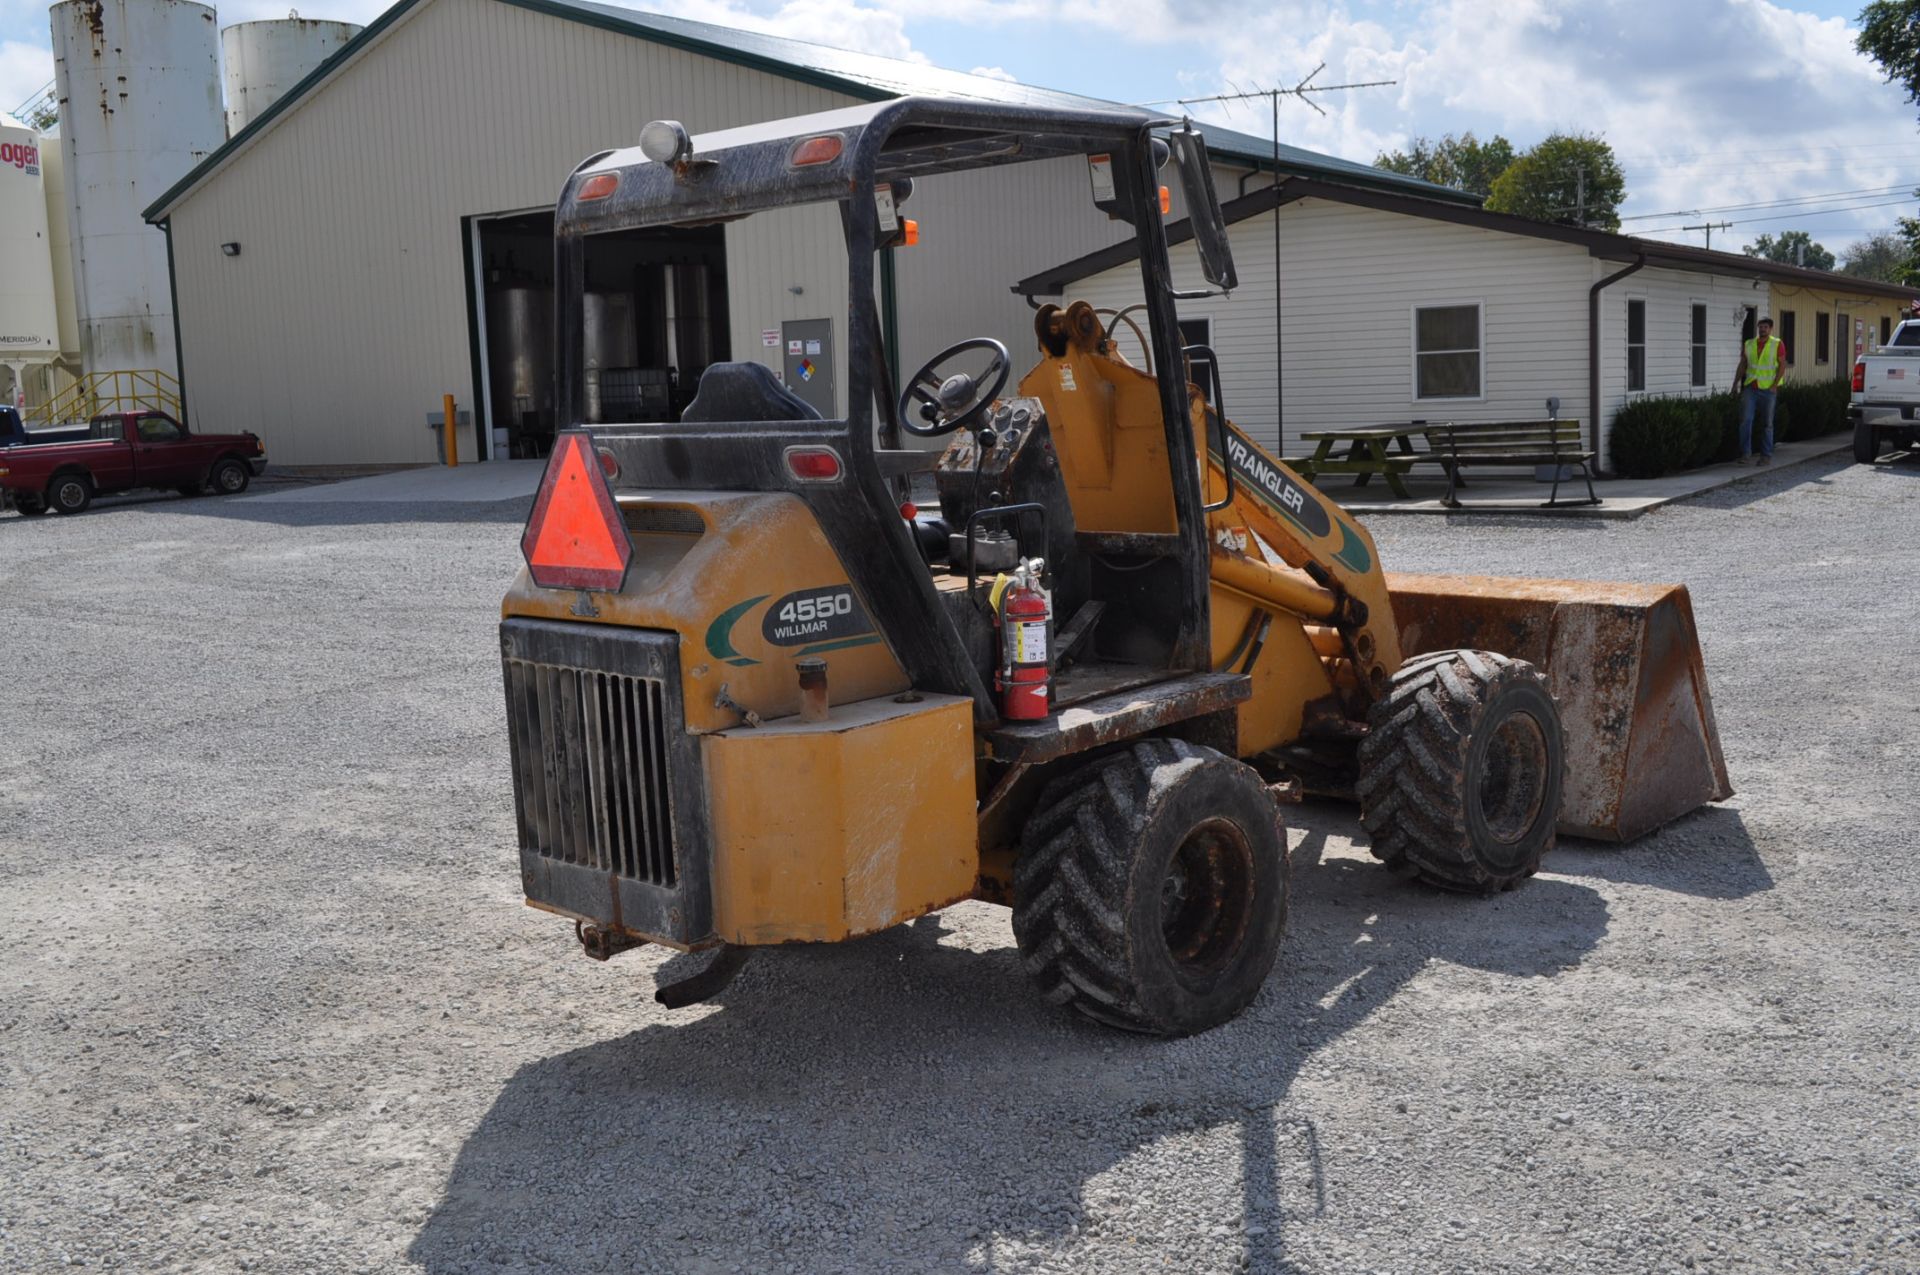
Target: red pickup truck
[(127, 450)]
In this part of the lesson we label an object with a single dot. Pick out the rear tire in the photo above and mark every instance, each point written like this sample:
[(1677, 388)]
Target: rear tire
[(1866, 445), (230, 478), (1151, 889), (70, 494), (1461, 771), (31, 506), (189, 490)]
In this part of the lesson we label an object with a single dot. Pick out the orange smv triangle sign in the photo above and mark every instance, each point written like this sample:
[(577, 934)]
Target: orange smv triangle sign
[(576, 538)]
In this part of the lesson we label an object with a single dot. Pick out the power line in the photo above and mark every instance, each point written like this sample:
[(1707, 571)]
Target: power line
[(1775, 203), (1749, 221)]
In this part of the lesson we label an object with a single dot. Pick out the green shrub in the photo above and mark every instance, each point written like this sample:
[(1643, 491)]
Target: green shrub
[(1716, 430), (1811, 410), (1655, 436)]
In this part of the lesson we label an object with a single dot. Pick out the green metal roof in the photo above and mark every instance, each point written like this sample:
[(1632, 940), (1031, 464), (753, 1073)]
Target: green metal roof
[(867, 76)]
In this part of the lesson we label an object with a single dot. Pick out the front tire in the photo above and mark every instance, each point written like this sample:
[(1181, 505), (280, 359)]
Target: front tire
[(1461, 771), (70, 494), (1151, 889), (1866, 445), (230, 478)]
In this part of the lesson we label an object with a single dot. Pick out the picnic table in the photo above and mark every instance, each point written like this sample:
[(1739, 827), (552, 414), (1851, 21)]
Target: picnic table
[(1386, 450)]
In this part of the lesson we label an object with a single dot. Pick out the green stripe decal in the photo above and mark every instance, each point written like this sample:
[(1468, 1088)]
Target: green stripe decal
[(1353, 553), (841, 645), (720, 632)]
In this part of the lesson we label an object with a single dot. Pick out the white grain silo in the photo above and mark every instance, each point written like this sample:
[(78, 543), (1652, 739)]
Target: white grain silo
[(29, 317), (139, 89), (265, 59)]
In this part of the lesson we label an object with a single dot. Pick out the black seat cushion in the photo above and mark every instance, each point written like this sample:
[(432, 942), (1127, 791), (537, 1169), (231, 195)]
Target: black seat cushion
[(745, 392)]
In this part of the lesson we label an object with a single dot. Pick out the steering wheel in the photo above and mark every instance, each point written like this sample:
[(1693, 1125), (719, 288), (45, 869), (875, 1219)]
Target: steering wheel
[(950, 403)]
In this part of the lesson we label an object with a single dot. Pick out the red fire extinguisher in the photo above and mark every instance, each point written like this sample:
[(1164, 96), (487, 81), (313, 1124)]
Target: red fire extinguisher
[(1025, 680)]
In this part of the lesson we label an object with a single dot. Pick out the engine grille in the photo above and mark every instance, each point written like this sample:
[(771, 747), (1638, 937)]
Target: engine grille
[(606, 779), (590, 759)]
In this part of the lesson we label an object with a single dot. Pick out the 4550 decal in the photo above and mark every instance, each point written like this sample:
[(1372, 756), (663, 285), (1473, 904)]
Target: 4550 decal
[(825, 618)]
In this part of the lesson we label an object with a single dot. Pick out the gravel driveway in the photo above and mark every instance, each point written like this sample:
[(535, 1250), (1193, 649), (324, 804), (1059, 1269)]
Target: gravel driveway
[(269, 999)]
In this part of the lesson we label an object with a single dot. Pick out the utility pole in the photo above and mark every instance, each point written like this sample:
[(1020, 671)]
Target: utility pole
[(1273, 96), (1710, 227), (1580, 197)]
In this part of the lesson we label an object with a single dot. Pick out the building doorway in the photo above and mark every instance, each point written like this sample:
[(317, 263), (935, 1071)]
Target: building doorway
[(655, 317)]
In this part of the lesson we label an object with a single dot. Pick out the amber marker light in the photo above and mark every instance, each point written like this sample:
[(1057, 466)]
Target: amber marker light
[(817, 150)]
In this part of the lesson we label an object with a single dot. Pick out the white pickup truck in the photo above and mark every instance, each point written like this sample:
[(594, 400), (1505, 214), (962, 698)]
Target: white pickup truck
[(1884, 381)]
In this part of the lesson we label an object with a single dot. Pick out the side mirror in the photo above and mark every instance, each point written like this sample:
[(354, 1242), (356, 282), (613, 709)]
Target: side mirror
[(1203, 208)]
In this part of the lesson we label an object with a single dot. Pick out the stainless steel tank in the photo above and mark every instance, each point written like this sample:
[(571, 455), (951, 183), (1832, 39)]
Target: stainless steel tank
[(610, 339), (520, 364), (689, 289)]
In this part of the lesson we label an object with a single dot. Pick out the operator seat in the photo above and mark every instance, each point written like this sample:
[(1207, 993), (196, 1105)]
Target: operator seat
[(744, 392)]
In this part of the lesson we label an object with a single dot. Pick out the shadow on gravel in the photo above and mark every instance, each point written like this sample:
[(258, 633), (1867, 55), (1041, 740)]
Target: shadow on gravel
[(898, 1103), (1708, 854), (316, 513)]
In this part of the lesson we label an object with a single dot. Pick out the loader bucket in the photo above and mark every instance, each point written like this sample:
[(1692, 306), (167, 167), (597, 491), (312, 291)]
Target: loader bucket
[(1624, 663)]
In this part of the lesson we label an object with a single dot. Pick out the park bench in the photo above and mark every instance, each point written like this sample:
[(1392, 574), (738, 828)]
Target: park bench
[(1513, 444)]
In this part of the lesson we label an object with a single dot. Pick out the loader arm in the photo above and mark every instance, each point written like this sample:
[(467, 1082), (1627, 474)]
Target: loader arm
[(1331, 576)]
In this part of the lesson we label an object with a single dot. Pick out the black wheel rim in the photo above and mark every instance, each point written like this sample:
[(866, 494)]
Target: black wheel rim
[(1513, 778), (1206, 899)]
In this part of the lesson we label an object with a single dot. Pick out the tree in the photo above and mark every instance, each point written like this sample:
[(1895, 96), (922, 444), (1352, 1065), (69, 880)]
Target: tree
[(1885, 257), (1787, 250), (1890, 35), (1464, 162), (1571, 178)]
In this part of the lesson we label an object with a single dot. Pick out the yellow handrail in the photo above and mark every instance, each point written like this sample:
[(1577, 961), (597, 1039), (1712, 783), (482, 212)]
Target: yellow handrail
[(131, 390)]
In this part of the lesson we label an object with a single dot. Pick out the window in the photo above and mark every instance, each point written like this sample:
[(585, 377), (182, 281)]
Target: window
[(1699, 342), (1200, 368), (1788, 331), (1886, 329), (1636, 346), (1446, 351), (1823, 338), (158, 429)]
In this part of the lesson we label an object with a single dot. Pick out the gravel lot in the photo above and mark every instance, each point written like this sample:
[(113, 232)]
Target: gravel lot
[(269, 1000)]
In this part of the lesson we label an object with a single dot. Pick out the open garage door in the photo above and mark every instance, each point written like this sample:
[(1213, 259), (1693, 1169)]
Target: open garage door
[(656, 316)]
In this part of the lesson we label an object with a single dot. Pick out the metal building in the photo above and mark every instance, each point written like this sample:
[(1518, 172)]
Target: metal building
[(382, 235), (139, 93), (262, 60)]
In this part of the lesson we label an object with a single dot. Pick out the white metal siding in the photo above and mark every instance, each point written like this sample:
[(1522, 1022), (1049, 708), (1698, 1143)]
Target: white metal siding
[(1670, 296), (344, 319), (1352, 278)]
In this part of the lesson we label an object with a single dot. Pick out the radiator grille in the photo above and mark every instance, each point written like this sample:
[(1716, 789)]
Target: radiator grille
[(590, 754)]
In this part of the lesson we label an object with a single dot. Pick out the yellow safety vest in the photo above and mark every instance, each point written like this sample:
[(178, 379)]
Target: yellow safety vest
[(1763, 364)]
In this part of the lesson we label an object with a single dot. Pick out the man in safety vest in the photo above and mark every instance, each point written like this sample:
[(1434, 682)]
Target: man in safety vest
[(1763, 365)]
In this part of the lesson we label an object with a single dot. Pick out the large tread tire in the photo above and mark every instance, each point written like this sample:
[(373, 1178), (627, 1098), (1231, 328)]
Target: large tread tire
[(1866, 444), (1461, 771), (1165, 846)]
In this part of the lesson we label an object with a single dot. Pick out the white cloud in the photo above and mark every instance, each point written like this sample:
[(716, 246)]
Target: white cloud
[(995, 73), (24, 68), (1707, 102)]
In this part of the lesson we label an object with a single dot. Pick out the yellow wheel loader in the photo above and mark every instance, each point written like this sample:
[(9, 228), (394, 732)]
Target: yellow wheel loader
[(756, 696)]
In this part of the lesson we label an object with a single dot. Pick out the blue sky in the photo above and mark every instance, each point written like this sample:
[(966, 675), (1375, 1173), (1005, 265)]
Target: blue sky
[(1710, 104)]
